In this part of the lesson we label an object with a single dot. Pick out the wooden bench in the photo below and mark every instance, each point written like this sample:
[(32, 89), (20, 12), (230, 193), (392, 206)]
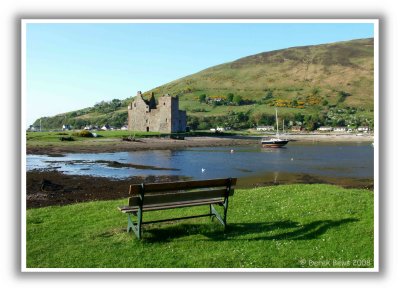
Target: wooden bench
[(160, 196)]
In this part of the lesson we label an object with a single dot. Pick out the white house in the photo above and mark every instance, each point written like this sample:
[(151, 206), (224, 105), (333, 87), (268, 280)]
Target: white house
[(325, 128), (363, 128), (220, 129), (340, 129), (296, 128), (33, 128), (91, 127), (265, 128), (66, 127)]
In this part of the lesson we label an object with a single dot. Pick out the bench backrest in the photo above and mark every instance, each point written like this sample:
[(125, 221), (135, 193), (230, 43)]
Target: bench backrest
[(171, 192)]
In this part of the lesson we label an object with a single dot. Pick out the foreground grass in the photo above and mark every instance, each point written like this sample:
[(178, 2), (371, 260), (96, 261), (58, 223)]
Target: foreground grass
[(273, 227)]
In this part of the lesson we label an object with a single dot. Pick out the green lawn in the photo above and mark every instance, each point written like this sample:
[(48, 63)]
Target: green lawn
[(56, 135), (51, 139), (288, 226), (48, 139)]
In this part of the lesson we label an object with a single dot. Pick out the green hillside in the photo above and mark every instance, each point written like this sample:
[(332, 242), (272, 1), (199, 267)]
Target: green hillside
[(329, 84)]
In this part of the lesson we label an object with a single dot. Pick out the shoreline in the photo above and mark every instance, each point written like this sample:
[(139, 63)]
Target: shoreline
[(53, 188), (117, 145)]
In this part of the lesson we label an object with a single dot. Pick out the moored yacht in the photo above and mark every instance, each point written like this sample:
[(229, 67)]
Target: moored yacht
[(275, 142)]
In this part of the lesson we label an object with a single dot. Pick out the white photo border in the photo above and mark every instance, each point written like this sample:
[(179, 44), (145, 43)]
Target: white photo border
[(25, 22)]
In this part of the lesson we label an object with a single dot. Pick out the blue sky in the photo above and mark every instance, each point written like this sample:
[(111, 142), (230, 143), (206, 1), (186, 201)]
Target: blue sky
[(70, 66)]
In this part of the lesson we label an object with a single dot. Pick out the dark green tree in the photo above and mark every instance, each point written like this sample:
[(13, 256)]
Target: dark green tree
[(342, 96), (299, 117), (237, 99), (193, 122), (229, 97), (269, 95), (202, 98)]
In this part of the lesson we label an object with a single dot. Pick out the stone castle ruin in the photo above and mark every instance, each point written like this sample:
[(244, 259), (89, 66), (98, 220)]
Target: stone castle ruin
[(164, 117)]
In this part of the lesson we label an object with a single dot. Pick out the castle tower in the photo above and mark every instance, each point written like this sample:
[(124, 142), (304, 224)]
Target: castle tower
[(164, 117), (137, 112)]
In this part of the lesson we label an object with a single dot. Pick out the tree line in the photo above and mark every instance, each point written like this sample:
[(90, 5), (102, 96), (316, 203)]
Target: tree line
[(249, 119)]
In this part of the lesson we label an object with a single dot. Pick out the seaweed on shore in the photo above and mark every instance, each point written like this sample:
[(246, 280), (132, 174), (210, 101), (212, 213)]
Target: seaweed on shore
[(115, 164)]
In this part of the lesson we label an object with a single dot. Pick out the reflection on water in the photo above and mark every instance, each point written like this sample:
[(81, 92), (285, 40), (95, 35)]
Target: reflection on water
[(347, 161)]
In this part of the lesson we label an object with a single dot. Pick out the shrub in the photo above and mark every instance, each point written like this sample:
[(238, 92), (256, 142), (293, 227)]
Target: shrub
[(238, 99), (84, 133), (197, 110), (342, 96), (202, 98), (269, 95), (68, 138), (229, 97), (204, 125)]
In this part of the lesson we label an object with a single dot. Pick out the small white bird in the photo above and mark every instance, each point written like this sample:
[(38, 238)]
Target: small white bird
[(291, 159), (203, 170), (232, 151)]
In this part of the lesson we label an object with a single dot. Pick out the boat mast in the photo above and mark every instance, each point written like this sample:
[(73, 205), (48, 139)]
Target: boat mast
[(276, 116)]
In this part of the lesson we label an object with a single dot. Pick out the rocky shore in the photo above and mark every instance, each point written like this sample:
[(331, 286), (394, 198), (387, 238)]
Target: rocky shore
[(48, 188)]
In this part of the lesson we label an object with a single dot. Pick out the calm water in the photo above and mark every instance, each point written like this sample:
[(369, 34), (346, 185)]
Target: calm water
[(350, 161)]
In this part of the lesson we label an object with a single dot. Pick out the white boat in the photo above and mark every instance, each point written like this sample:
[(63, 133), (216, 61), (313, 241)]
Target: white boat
[(275, 142)]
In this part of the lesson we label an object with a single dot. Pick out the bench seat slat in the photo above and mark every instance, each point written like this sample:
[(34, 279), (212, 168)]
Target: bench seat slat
[(175, 186), (161, 206)]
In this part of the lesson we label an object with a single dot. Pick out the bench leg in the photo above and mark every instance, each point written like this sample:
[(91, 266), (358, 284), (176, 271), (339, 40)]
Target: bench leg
[(215, 213), (225, 210), (135, 227), (131, 225)]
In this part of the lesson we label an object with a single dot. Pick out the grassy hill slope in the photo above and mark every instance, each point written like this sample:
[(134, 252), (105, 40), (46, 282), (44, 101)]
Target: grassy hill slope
[(304, 80), (322, 70)]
